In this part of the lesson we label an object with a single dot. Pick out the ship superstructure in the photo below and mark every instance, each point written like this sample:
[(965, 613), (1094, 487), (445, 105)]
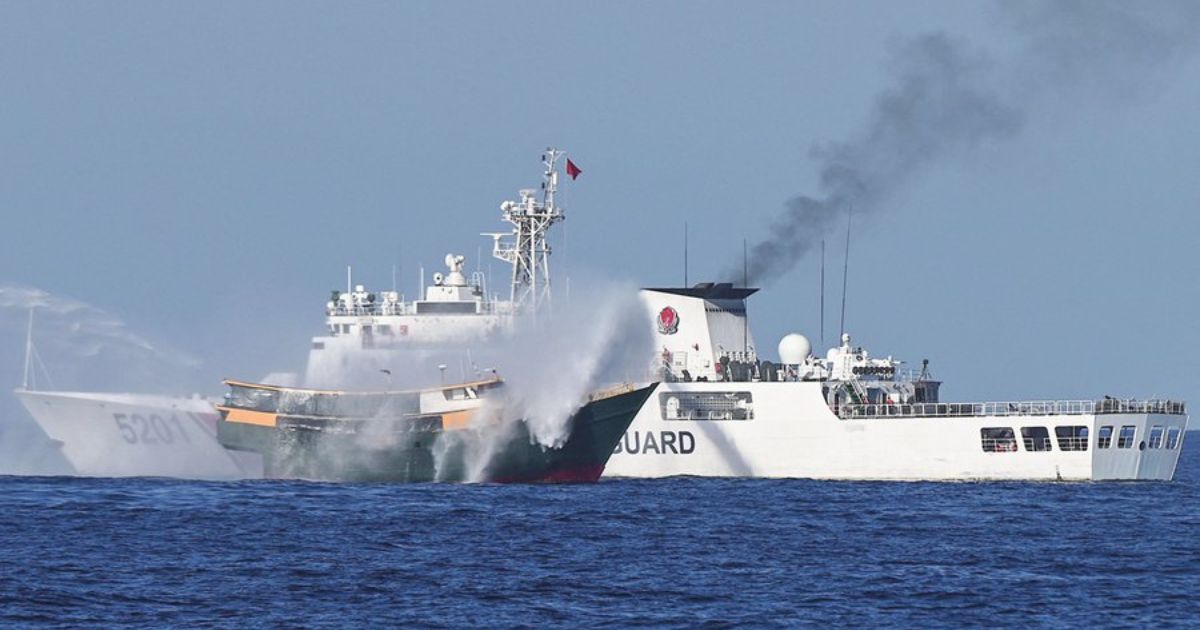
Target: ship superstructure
[(724, 411), (372, 332), (368, 332)]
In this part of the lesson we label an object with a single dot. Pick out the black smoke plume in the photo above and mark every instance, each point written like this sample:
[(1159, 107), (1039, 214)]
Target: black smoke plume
[(946, 98)]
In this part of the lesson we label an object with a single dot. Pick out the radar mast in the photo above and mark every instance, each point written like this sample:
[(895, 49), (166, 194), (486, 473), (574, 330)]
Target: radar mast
[(528, 252)]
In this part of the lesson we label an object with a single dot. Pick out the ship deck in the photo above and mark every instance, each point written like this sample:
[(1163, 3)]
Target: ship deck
[(1011, 408)]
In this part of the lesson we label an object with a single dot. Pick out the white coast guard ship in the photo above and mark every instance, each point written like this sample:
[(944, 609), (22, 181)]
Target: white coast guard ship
[(723, 412), (137, 435), (123, 434), (103, 434)]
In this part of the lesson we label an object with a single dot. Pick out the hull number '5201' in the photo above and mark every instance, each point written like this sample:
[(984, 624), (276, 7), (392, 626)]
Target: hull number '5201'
[(138, 429)]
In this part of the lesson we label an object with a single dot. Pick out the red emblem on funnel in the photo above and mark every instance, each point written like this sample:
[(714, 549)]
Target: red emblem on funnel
[(668, 321)]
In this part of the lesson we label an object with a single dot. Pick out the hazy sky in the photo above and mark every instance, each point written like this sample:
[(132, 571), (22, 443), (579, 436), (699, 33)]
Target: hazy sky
[(205, 171)]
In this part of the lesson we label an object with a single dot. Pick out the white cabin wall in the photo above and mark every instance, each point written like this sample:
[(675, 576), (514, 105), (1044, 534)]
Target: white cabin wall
[(692, 337), (1158, 463), (729, 331), (1115, 462)]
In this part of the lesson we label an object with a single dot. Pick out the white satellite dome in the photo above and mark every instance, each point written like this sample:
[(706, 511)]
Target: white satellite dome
[(794, 349)]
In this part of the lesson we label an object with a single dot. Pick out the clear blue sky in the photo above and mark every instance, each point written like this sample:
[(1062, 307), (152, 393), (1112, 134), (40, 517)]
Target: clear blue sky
[(205, 171)]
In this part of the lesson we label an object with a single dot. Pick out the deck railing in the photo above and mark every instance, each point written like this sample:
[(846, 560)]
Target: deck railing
[(1014, 408), (378, 309)]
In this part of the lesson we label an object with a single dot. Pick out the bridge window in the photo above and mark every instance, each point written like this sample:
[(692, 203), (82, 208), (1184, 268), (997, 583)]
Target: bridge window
[(1072, 438), (1156, 436), (1125, 439), (1036, 438), (453, 308), (998, 440), (1104, 437), (1173, 437)]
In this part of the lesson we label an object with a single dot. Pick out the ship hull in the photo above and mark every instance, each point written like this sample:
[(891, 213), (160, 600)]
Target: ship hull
[(135, 435), (424, 449), (785, 429)]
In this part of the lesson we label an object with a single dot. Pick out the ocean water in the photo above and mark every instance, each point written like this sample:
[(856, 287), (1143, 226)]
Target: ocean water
[(678, 552)]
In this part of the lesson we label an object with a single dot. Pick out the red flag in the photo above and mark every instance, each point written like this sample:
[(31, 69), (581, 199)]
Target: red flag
[(572, 170)]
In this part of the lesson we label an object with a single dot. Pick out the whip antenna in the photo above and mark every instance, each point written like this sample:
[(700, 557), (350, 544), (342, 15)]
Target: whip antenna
[(685, 254), (745, 321), (845, 272), (822, 293)]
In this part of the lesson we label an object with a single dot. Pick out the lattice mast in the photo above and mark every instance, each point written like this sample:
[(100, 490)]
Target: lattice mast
[(528, 252)]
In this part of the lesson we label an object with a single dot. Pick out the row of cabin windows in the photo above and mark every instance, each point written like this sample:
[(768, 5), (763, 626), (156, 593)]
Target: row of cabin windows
[(1127, 434), (1004, 440), (1072, 438), (367, 329)]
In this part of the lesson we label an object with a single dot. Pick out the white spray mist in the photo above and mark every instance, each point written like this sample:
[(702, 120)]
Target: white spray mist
[(551, 365), (78, 347)]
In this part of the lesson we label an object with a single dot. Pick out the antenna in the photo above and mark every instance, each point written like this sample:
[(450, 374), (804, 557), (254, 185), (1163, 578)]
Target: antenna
[(822, 294), (566, 269), (745, 268), (349, 288), (845, 272), (685, 254), (28, 350), (745, 320), (393, 277)]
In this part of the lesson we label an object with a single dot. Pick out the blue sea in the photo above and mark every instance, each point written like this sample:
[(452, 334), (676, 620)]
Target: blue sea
[(680, 552)]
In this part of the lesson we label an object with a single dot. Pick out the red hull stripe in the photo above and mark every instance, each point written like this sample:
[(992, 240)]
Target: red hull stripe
[(585, 474)]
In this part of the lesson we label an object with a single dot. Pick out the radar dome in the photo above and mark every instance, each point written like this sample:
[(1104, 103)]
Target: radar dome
[(794, 349)]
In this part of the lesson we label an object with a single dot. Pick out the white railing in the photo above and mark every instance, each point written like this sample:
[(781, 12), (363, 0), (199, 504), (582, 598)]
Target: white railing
[(1037, 444), (1072, 443), (378, 309), (910, 375), (1013, 408), (372, 309), (999, 445)]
